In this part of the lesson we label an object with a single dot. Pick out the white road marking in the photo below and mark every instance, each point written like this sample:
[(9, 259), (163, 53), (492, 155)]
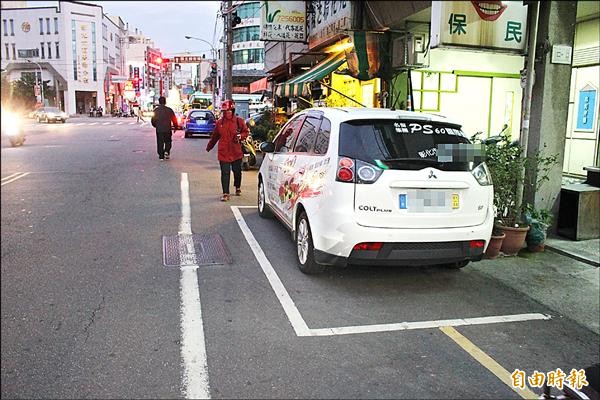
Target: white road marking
[(93, 123), (119, 123), (302, 328), (132, 123), (11, 175), (286, 301), (193, 347), (80, 123), (144, 123), (14, 178), (106, 123)]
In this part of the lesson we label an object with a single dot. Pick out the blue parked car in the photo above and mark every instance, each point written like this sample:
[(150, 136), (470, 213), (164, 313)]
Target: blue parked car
[(201, 122)]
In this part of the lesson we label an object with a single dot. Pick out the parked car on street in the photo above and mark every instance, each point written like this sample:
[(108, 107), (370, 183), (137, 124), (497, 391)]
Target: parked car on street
[(375, 186), (200, 122), (51, 114)]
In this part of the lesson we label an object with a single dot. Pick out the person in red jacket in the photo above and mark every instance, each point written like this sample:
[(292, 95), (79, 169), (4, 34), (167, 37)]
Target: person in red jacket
[(230, 130)]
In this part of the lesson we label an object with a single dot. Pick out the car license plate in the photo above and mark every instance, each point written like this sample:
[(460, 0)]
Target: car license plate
[(455, 201), (427, 201)]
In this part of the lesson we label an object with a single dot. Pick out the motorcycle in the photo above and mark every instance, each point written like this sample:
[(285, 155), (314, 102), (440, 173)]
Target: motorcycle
[(12, 127)]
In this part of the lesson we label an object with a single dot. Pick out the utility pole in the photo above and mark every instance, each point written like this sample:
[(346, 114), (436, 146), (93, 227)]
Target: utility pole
[(526, 113), (228, 51)]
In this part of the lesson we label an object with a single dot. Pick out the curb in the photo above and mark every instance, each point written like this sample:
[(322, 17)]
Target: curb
[(574, 256)]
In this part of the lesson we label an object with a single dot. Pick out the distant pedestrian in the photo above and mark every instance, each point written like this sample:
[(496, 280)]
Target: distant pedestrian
[(162, 120), (230, 130)]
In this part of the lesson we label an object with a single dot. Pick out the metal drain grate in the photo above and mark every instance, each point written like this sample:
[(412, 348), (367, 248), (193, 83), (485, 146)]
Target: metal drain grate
[(194, 249)]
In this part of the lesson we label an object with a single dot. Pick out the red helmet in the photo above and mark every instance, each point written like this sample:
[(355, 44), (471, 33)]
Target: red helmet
[(227, 105)]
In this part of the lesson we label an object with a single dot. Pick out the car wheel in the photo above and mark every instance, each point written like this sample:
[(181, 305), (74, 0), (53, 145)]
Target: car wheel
[(457, 265), (39, 120), (186, 134), (305, 248), (63, 121), (263, 208)]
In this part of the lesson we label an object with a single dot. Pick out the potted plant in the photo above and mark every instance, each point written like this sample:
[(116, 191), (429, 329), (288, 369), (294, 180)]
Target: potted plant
[(493, 249), (539, 220), (504, 161), (506, 165)]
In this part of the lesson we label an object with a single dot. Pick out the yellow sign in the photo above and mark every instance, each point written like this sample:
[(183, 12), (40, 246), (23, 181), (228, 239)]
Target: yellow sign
[(455, 201)]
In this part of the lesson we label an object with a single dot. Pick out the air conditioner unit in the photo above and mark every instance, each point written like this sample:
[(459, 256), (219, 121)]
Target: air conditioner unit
[(410, 51)]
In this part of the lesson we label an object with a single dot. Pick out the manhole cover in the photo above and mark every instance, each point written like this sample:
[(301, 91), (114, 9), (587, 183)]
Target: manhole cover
[(194, 249)]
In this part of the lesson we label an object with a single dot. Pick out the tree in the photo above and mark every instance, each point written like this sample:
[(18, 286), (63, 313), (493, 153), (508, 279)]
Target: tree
[(23, 91)]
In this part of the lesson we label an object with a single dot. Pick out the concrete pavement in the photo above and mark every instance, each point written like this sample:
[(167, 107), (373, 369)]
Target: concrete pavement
[(565, 278)]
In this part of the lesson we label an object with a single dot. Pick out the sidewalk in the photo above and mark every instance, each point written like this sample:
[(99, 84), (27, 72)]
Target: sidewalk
[(565, 278)]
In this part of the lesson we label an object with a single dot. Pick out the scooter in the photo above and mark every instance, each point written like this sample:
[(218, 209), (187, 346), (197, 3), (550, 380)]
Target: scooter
[(249, 151), (12, 127)]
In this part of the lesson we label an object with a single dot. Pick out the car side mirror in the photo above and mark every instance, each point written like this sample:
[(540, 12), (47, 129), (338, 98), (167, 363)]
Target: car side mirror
[(267, 147)]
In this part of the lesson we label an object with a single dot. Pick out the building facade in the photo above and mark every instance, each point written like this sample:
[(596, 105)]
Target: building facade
[(248, 50), (70, 44)]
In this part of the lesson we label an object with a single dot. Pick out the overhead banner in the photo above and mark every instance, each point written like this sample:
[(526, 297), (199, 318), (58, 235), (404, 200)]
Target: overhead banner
[(283, 21), (328, 21), (494, 25)]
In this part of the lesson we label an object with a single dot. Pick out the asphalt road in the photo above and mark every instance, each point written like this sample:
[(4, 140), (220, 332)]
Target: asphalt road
[(90, 311)]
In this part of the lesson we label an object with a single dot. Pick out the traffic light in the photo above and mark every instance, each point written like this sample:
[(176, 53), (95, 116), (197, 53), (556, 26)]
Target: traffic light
[(235, 19), (213, 69)]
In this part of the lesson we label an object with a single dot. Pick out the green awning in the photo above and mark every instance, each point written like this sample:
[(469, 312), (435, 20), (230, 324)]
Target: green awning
[(297, 85)]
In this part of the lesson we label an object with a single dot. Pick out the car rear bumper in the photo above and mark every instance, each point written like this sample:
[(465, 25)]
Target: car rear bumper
[(406, 254), (334, 243), (195, 129)]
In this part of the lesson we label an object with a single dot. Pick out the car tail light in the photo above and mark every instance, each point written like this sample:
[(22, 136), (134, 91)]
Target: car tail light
[(372, 246), (477, 244), (358, 171), (345, 170)]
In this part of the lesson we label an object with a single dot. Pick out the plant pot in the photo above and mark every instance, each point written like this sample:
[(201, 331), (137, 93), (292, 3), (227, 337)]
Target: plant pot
[(536, 248), (493, 248), (514, 240)]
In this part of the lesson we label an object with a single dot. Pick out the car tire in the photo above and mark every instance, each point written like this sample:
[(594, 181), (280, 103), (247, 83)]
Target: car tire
[(63, 121), (263, 207), (457, 265), (39, 120), (305, 250), (186, 134)]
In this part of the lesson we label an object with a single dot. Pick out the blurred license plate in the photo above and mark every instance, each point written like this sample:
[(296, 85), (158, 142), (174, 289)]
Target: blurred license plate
[(428, 200)]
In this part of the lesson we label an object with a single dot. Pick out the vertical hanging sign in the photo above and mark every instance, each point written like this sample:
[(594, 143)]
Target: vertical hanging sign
[(84, 65)]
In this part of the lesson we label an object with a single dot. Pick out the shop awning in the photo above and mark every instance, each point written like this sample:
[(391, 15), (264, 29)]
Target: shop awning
[(297, 86), (259, 85)]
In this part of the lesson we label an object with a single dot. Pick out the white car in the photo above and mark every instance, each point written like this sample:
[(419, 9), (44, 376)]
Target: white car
[(376, 186)]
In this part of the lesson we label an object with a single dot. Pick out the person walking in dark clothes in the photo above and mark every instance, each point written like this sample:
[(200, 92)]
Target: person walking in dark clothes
[(229, 131), (162, 120)]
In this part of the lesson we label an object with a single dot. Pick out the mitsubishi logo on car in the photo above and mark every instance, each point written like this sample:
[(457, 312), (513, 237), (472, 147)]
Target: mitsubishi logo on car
[(431, 175)]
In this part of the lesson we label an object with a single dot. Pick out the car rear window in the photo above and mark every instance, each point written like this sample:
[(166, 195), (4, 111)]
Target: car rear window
[(201, 115), (402, 144)]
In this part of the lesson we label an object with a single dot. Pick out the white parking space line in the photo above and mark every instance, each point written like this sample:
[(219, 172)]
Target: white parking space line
[(193, 347), (106, 123), (302, 328), (12, 178), (119, 123), (93, 123), (286, 301), (80, 123)]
